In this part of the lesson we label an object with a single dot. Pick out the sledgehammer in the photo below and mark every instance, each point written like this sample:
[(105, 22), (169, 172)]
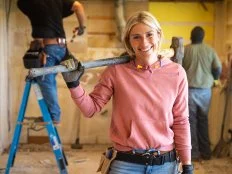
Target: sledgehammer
[(175, 53)]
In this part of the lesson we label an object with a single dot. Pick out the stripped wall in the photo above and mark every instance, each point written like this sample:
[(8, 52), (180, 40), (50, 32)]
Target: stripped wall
[(99, 41), (102, 43)]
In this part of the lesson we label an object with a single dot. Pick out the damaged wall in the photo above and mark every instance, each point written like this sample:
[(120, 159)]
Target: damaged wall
[(99, 41), (102, 43)]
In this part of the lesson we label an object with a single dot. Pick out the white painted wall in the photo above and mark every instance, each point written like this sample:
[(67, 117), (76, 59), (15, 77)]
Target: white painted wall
[(4, 127)]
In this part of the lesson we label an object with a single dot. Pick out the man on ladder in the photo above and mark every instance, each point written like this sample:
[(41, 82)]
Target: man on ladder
[(47, 49), (47, 28)]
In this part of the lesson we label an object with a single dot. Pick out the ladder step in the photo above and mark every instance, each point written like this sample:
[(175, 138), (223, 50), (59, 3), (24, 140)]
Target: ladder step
[(39, 120), (32, 123), (36, 119)]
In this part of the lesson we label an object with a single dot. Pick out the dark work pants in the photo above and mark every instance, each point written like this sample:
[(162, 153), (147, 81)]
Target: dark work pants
[(199, 103)]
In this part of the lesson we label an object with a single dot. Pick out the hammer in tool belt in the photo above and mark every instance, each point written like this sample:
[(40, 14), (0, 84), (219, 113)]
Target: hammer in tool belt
[(175, 53)]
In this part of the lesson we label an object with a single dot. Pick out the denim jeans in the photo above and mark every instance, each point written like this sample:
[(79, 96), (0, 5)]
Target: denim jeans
[(199, 103), (121, 167), (47, 83)]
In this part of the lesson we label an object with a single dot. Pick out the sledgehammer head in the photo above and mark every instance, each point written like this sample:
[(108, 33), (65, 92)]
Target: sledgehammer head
[(177, 45)]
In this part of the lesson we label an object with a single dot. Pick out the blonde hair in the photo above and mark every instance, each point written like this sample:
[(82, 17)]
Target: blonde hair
[(140, 17)]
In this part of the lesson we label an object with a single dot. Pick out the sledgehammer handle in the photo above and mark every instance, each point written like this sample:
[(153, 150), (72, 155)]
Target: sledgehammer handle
[(106, 62), (35, 72)]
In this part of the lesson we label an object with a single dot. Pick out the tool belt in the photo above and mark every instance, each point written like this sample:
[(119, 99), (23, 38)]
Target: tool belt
[(106, 159), (147, 158), (33, 56)]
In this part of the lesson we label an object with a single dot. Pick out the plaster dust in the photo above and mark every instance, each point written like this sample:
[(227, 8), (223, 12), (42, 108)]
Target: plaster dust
[(39, 159)]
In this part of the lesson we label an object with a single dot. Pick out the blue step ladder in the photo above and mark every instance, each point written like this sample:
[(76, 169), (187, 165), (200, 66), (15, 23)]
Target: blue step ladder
[(51, 129)]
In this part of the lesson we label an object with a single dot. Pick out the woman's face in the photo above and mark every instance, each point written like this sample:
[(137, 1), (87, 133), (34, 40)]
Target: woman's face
[(144, 41)]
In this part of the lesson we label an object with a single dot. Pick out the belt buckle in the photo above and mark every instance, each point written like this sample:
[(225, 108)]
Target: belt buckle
[(158, 158), (156, 153), (153, 158), (148, 158), (61, 41), (146, 154)]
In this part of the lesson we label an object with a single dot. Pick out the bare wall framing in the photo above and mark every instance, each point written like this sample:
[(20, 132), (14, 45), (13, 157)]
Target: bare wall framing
[(4, 128)]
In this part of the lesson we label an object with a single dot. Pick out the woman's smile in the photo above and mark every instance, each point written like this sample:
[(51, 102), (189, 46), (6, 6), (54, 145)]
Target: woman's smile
[(144, 41)]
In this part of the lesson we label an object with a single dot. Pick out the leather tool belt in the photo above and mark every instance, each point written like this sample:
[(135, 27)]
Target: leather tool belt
[(33, 56), (106, 160), (147, 158)]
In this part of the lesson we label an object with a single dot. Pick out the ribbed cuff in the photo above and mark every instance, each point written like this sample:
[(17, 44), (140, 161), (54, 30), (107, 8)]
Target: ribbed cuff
[(72, 84)]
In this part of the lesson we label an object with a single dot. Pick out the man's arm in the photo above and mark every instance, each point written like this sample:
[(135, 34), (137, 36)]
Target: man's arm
[(216, 72), (78, 8), (216, 66)]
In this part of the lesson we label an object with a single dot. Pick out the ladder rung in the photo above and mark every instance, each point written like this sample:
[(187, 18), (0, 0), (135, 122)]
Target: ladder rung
[(33, 123), (37, 119), (36, 126)]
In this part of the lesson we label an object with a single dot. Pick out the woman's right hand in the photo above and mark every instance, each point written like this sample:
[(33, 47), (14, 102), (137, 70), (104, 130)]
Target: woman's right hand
[(72, 77)]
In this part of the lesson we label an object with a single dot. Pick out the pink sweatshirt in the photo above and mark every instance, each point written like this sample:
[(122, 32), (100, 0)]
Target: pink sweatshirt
[(150, 106)]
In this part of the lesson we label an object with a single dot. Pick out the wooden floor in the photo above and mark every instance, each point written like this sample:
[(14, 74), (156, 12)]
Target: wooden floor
[(34, 159)]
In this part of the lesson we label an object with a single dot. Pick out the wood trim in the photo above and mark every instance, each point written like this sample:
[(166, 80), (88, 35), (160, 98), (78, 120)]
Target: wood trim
[(38, 139)]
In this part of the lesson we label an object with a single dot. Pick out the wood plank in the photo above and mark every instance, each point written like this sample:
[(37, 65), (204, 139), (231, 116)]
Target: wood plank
[(38, 139)]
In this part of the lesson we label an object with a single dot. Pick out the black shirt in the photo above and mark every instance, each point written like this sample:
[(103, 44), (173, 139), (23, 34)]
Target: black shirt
[(46, 16)]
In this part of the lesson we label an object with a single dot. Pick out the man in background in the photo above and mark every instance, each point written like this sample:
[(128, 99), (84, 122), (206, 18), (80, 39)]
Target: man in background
[(46, 18), (202, 66)]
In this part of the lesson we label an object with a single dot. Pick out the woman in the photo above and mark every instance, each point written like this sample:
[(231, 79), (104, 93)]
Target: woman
[(150, 104)]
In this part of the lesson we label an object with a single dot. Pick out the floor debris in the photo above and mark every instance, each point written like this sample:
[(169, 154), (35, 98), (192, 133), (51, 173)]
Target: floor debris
[(86, 161)]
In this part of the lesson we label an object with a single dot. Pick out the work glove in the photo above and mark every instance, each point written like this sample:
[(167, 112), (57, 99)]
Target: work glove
[(217, 83), (80, 30), (187, 169), (76, 71)]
